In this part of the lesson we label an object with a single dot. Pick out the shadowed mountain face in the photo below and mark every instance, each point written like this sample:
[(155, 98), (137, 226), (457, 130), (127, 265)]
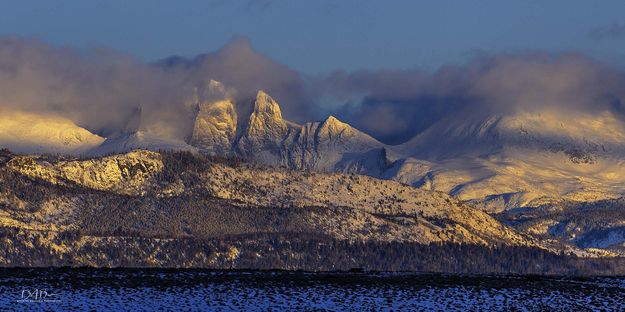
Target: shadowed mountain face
[(598, 224)]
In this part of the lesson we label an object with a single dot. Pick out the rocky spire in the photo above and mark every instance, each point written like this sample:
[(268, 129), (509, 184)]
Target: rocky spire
[(266, 118), (215, 125), (264, 132)]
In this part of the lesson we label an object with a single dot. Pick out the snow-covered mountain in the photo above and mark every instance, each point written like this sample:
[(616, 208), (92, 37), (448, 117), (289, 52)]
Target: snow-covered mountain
[(581, 136), (518, 159), (24, 132), (264, 136), (493, 161)]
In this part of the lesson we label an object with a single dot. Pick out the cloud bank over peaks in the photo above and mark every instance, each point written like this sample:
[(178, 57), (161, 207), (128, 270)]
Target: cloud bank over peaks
[(239, 67), (98, 89), (396, 105), (108, 92)]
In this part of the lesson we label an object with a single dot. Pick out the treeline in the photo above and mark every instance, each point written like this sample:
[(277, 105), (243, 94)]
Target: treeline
[(295, 251), (197, 230)]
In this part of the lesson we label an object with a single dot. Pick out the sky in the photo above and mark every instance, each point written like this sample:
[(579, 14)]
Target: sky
[(390, 68), (321, 36)]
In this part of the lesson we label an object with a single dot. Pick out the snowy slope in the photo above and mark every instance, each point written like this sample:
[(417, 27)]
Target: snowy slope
[(519, 159), (333, 145), (581, 136), (126, 142), (24, 132)]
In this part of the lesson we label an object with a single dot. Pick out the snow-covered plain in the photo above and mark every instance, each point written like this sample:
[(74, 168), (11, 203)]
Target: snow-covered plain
[(262, 291)]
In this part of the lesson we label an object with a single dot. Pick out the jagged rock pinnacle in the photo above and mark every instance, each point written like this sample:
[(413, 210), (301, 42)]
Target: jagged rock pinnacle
[(215, 127), (215, 86), (266, 105), (265, 130), (266, 118)]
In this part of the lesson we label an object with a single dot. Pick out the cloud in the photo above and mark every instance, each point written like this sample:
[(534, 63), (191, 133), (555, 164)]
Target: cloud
[(104, 91), (612, 31), (98, 89), (237, 65), (396, 105)]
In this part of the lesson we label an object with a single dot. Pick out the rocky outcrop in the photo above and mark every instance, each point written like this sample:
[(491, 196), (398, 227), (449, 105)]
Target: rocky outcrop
[(131, 174)]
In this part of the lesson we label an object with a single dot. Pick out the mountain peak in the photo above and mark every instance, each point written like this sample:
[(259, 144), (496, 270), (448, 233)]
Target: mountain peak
[(215, 86), (213, 91), (266, 116), (266, 105), (333, 121), (332, 127), (215, 127), (265, 125)]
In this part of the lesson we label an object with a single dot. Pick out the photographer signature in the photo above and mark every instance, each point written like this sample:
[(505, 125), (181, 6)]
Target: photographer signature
[(38, 295)]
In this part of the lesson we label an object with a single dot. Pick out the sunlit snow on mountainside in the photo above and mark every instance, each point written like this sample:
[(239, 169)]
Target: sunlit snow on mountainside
[(521, 159), (493, 161), (35, 133)]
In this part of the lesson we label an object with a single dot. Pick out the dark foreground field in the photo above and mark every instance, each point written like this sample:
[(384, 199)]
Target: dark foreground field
[(153, 289)]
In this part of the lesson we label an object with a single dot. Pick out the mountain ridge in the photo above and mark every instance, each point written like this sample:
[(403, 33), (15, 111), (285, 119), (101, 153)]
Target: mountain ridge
[(494, 161)]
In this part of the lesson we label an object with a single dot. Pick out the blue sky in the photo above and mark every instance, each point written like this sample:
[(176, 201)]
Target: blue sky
[(321, 36)]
